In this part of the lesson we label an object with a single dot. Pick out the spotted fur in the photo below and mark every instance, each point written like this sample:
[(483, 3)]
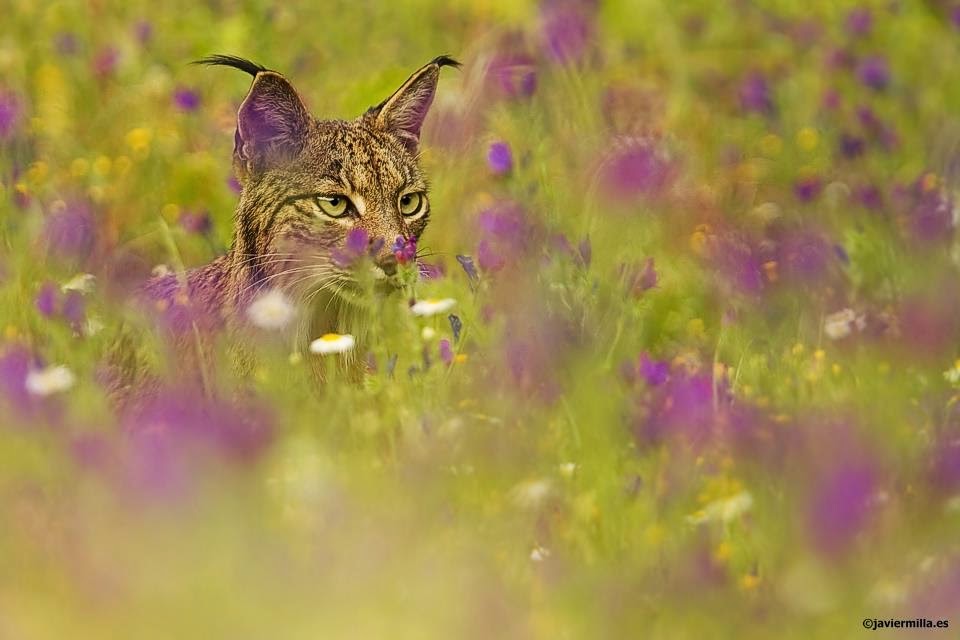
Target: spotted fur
[(286, 161)]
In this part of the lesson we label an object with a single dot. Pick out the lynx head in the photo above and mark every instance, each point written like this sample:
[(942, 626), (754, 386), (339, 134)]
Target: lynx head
[(308, 182)]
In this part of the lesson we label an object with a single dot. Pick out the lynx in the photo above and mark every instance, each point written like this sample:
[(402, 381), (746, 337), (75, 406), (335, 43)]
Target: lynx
[(308, 185)]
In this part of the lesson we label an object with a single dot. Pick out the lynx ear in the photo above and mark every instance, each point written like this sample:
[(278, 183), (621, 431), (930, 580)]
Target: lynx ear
[(403, 113), (272, 124)]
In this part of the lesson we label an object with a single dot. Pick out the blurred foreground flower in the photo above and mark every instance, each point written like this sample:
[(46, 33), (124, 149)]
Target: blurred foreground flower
[(840, 324), (50, 380), (186, 99), (514, 74), (172, 435), (195, 222), (639, 278), (859, 21), (874, 73), (724, 510), (82, 283), (841, 506), (637, 168), (355, 245), (70, 231), (432, 306), (499, 158), (271, 310), (567, 29), (333, 343), (755, 94), (9, 114)]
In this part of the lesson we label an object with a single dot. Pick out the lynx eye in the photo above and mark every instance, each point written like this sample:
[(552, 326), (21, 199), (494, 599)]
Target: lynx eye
[(411, 203), (334, 206)]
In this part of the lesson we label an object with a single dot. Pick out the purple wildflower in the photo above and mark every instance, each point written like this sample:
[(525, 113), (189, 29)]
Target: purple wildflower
[(168, 434), (70, 233), (500, 158), (639, 279), (456, 325), (653, 372), (195, 222), (356, 245), (9, 114), (505, 235), (488, 257), (737, 261), (870, 197), (514, 75), (446, 352), (755, 94), (874, 72), (105, 62), (502, 222), (186, 99), (955, 17), (638, 169), (859, 21), (234, 184), (431, 271), (840, 506), (682, 407), (567, 30), (808, 188), (143, 31), (46, 300), (851, 146), (357, 241), (466, 262), (805, 256), (404, 249)]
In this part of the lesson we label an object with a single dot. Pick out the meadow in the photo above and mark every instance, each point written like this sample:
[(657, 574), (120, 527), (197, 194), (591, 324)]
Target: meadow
[(700, 377)]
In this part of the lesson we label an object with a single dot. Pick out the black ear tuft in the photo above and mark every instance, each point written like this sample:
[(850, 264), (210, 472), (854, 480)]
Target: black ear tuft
[(403, 113), (446, 61), (233, 61)]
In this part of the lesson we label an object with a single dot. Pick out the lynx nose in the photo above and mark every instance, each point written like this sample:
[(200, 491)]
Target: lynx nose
[(388, 263)]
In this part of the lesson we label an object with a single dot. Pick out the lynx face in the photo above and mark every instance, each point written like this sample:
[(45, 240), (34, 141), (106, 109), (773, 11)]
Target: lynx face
[(309, 183), (349, 176)]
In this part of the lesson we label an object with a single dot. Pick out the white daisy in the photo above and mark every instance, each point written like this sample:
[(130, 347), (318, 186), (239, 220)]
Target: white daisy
[(82, 282), (952, 375), (539, 553), (53, 379), (333, 343), (161, 271), (839, 325), (271, 310), (531, 493), (432, 306)]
